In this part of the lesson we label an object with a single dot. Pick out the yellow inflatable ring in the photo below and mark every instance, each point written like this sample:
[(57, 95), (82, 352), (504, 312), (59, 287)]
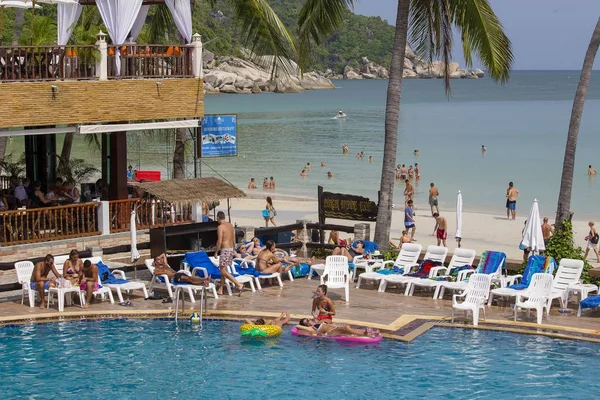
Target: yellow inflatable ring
[(260, 330)]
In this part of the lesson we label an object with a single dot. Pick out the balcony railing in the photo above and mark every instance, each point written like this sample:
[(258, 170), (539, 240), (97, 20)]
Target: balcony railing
[(48, 223), (47, 63), (150, 213), (150, 61)]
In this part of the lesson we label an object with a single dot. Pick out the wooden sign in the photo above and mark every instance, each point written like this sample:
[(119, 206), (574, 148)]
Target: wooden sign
[(345, 206)]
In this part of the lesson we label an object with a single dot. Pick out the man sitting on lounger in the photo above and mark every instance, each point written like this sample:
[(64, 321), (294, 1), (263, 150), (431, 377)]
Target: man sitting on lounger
[(283, 319), (309, 326), (89, 281), (161, 267), (39, 277)]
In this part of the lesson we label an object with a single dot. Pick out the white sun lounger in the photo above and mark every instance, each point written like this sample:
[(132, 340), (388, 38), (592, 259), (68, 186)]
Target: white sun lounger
[(538, 295), (433, 253), (474, 295), (166, 284), (337, 274), (460, 257), (406, 260)]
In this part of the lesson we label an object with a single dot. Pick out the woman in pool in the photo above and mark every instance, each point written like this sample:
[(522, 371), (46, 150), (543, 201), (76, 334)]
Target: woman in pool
[(322, 305), (308, 326), (73, 267)]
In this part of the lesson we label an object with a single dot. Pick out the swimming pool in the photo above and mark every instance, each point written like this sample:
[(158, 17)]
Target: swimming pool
[(156, 359)]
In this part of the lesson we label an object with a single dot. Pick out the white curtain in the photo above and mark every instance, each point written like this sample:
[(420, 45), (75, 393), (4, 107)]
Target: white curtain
[(182, 15), (139, 23), (118, 17), (68, 15)]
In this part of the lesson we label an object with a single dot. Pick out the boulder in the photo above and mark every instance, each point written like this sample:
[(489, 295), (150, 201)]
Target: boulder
[(479, 73), (352, 75), (211, 79), (409, 53), (408, 64), (365, 61), (256, 89), (228, 79), (207, 57), (409, 73), (228, 89), (242, 83), (368, 76)]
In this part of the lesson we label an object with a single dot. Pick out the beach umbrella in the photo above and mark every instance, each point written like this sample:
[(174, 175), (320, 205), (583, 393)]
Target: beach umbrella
[(532, 235), (458, 234), (135, 254)]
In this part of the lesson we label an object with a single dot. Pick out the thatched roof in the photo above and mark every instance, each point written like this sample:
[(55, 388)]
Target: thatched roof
[(198, 190)]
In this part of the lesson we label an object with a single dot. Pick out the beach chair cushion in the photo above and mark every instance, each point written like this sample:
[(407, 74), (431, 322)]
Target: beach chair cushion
[(535, 264)]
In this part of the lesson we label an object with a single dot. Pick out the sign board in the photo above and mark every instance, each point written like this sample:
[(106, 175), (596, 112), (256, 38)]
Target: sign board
[(219, 135), (346, 206)]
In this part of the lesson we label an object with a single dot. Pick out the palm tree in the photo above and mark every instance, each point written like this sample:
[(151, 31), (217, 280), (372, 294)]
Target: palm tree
[(563, 209), (75, 170), (430, 24)]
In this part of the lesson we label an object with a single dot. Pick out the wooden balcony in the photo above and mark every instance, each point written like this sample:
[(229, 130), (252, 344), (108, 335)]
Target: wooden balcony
[(48, 223), (150, 213)]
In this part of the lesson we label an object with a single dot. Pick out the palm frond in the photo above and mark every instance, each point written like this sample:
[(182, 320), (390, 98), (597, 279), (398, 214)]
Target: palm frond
[(75, 170), (93, 141), (265, 34), (431, 32), (316, 21), (160, 23), (483, 34)]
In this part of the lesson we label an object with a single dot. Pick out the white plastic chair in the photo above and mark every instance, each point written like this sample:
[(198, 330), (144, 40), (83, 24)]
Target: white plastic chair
[(461, 283), (125, 287), (460, 257), (243, 279), (166, 283), (475, 295), (538, 294), (337, 272), (24, 271), (257, 279), (102, 290), (407, 260), (433, 253), (568, 274), (280, 255)]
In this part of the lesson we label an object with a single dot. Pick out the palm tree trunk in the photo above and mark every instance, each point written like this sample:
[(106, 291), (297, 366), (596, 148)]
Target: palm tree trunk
[(179, 154), (566, 184), (18, 25), (65, 153), (392, 113)]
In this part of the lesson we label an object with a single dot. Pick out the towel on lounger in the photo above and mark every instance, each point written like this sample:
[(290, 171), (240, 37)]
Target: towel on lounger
[(590, 302), (535, 264), (424, 268), (490, 261), (106, 276), (200, 259)]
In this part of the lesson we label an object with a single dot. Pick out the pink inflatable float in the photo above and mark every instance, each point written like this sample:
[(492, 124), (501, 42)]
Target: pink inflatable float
[(355, 339)]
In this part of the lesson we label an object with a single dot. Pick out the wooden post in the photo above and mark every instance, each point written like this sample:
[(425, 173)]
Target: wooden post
[(114, 165)]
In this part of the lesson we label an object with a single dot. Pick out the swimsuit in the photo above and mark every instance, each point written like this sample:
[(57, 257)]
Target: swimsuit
[(177, 277), (433, 201), (46, 285), (84, 286), (511, 204), (442, 234), (226, 258), (316, 326)]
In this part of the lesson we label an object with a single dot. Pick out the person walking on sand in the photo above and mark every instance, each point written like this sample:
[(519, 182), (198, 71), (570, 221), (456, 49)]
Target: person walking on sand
[(511, 201), (433, 198), (409, 219), (440, 229), (591, 171), (592, 242), (409, 192), (547, 231), (226, 244), (271, 213)]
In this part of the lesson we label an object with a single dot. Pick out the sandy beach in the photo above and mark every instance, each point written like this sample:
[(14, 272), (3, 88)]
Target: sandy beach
[(480, 231)]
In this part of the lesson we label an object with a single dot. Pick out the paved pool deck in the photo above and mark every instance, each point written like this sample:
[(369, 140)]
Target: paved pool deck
[(398, 316)]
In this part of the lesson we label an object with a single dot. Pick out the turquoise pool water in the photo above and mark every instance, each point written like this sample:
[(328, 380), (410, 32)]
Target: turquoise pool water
[(156, 359)]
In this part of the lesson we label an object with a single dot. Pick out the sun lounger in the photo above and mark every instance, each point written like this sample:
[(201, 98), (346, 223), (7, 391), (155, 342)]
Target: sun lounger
[(120, 285), (405, 262), (538, 295), (474, 295)]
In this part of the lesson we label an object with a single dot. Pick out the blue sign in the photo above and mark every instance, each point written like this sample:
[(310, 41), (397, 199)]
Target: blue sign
[(219, 135)]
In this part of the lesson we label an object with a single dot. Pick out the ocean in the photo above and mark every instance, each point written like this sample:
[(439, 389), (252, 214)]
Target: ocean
[(523, 125)]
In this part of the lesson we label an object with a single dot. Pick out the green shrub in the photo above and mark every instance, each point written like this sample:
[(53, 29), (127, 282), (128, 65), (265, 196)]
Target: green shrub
[(561, 245), (321, 254)]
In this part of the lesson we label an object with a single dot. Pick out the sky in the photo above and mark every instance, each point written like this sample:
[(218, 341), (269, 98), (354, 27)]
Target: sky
[(545, 34)]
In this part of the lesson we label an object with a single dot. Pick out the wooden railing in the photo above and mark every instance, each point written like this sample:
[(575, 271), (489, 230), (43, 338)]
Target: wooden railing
[(5, 182), (47, 63), (48, 223), (150, 213), (150, 61)]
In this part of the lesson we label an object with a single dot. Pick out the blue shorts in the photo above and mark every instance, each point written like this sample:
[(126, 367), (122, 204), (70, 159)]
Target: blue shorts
[(512, 205), (409, 225), (46, 285)]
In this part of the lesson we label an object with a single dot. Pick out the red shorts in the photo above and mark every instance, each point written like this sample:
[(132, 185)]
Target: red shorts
[(323, 317), (83, 286), (442, 234)]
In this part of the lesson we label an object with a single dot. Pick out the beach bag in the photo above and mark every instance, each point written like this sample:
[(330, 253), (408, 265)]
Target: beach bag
[(300, 271), (594, 239), (274, 211), (265, 213)]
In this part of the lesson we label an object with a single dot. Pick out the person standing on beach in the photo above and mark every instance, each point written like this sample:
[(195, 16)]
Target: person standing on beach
[(272, 183), (409, 219), (226, 244), (511, 201), (252, 185), (271, 213), (440, 230), (433, 198), (591, 171), (547, 231), (409, 192), (592, 242)]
